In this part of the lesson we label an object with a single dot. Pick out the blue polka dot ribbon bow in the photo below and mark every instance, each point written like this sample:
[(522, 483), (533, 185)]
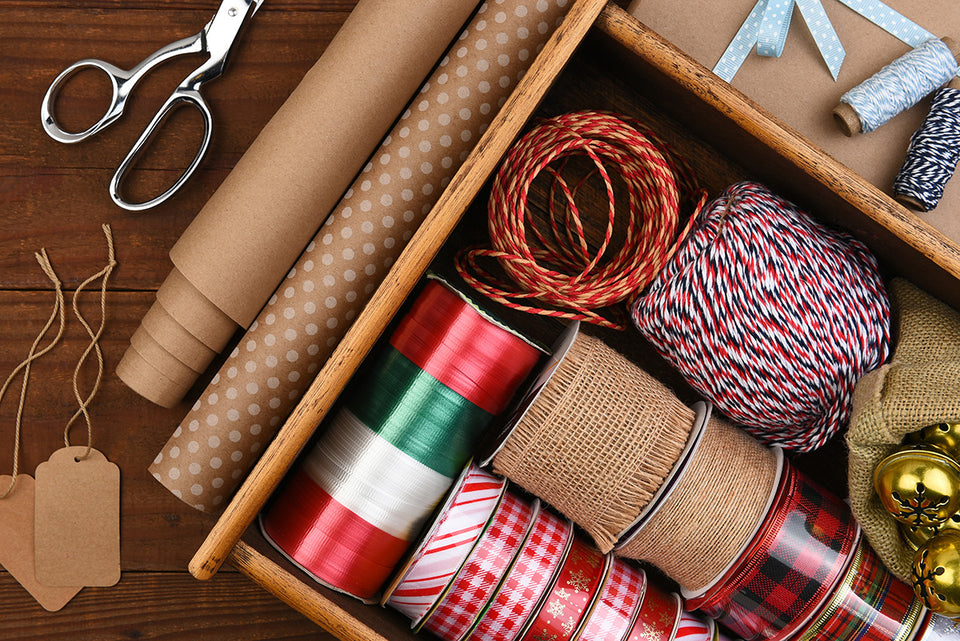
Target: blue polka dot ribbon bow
[(768, 23)]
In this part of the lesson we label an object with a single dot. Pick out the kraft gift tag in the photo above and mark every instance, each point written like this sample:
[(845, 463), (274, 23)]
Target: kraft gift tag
[(17, 545), (77, 521)]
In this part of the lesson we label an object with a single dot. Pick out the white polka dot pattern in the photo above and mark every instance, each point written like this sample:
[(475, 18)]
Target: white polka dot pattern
[(261, 381)]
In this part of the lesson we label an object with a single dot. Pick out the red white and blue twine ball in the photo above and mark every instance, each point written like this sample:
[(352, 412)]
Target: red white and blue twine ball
[(771, 316)]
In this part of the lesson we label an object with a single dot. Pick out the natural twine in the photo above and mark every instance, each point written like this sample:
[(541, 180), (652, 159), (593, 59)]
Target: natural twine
[(94, 345), (599, 440), (919, 387), (712, 511), (59, 311)]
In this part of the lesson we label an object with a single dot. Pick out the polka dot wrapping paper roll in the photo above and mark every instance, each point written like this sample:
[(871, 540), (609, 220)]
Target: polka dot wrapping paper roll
[(258, 385)]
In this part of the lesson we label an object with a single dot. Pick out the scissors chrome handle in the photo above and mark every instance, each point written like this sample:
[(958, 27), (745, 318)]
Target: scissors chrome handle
[(215, 39)]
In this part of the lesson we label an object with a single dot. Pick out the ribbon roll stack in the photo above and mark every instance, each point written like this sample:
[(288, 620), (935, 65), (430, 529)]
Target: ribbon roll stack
[(529, 577), (870, 604), (406, 427), (791, 566)]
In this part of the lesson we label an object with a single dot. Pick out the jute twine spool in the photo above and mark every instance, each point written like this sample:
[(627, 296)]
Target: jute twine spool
[(712, 512), (599, 440)]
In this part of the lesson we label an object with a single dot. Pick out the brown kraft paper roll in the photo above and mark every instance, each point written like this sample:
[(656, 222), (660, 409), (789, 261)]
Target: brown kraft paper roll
[(250, 231), (219, 440)]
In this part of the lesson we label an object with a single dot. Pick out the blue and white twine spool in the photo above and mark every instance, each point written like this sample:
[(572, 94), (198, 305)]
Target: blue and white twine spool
[(898, 86), (933, 153)]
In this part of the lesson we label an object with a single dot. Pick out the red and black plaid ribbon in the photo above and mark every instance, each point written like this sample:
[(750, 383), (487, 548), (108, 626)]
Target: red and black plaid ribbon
[(789, 568), (870, 604)]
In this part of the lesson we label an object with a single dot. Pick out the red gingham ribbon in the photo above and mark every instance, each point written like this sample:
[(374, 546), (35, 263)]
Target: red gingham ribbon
[(486, 566), (570, 596), (527, 581), (445, 547), (617, 606), (659, 616), (789, 568), (870, 604)]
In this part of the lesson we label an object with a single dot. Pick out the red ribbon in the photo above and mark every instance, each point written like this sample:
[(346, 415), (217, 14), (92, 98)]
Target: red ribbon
[(454, 343), (329, 541), (659, 616)]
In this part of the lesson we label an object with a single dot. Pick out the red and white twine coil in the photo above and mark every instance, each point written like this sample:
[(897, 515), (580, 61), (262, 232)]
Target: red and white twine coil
[(559, 268), (771, 316)]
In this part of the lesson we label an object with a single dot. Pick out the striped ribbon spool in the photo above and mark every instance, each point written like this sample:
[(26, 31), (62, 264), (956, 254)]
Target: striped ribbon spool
[(870, 604), (789, 570), (559, 268), (488, 563), (933, 153), (561, 615), (444, 548), (770, 316), (693, 628), (394, 448), (618, 604), (527, 580), (659, 616)]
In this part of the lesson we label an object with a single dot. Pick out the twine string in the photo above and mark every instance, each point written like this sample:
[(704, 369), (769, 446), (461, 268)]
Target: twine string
[(59, 311), (933, 153), (901, 84), (93, 346), (557, 266)]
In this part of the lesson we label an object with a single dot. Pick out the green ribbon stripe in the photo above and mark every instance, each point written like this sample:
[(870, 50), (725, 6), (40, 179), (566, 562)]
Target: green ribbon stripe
[(416, 413)]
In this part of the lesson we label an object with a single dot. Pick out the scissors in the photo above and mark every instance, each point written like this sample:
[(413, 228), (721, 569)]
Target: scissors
[(215, 39)]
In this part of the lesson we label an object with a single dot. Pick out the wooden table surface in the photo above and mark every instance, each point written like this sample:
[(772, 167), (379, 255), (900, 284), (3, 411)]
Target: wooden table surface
[(54, 196)]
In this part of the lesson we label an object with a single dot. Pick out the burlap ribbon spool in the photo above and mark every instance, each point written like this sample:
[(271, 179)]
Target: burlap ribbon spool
[(712, 512), (919, 387), (599, 440)]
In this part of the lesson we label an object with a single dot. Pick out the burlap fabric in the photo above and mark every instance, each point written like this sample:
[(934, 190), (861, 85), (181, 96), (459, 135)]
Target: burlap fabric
[(710, 515), (919, 387), (598, 442)]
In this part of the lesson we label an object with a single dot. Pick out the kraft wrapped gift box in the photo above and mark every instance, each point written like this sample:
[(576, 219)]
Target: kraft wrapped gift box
[(797, 87)]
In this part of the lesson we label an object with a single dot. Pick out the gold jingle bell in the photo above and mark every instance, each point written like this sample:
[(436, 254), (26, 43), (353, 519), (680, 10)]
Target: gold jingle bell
[(917, 536), (918, 486), (943, 436), (936, 573)]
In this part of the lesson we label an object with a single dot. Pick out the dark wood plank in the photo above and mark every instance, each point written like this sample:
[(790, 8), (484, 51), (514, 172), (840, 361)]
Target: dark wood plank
[(166, 5), (158, 532), (160, 606), (54, 195)]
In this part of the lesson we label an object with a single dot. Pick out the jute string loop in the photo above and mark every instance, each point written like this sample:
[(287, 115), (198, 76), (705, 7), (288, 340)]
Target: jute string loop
[(59, 311), (599, 440), (94, 345), (713, 510)]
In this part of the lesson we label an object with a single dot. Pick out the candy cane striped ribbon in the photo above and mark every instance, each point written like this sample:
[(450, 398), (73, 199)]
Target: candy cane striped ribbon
[(446, 546)]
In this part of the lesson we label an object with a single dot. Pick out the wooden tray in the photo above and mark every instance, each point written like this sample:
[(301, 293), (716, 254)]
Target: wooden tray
[(622, 66)]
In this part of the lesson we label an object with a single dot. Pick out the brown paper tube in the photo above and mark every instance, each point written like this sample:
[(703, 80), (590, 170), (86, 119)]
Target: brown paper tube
[(711, 514), (219, 440), (183, 346), (165, 392), (598, 442), (248, 234)]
